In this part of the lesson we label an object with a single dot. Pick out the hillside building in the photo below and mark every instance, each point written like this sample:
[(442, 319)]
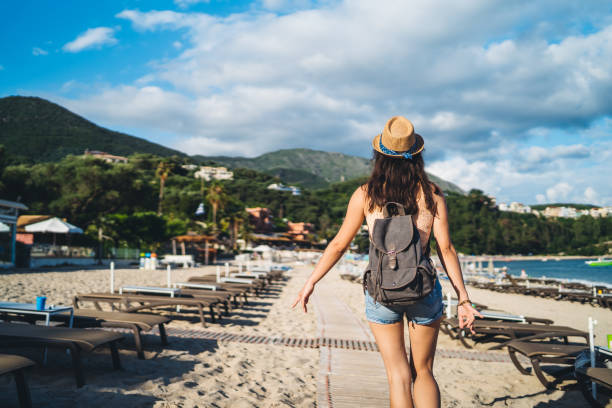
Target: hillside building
[(515, 207), (261, 219), (109, 158), (299, 230), (209, 173)]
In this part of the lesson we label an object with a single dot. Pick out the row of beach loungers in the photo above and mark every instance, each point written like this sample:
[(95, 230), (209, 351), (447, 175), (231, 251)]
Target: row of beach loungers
[(544, 345), (538, 341), (550, 288), (209, 295)]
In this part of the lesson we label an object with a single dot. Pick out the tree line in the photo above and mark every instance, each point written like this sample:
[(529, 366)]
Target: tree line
[(148, 200)]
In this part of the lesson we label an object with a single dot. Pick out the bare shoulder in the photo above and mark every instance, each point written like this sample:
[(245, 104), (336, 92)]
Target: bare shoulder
[(438, 197)]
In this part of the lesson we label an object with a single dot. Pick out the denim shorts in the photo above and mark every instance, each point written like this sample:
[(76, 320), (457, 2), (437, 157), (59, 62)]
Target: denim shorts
[(424, 312)]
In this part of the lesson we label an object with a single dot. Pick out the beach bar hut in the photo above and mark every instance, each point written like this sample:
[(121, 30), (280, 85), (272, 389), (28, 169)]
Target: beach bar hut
[(53, 226), (9, 211), (46, 253)]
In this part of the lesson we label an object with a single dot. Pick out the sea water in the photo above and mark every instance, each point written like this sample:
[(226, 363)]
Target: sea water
[(575, 270)]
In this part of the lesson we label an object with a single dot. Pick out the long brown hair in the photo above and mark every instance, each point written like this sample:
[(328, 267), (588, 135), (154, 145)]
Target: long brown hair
[(400, 180)]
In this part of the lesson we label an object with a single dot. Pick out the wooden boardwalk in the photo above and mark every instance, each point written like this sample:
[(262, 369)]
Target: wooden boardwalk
[(347, 378)]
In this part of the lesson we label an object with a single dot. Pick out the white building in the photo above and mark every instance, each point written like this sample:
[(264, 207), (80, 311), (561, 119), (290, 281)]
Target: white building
[(209, 173), (562, 212), (515, 207), (281, 187)]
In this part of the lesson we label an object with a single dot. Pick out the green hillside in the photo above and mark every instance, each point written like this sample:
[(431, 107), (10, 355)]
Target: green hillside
[(310, 168), (541, 207), (35, 130)]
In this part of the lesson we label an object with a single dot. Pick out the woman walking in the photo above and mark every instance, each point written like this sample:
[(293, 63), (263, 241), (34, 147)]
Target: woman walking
[(399, 177)]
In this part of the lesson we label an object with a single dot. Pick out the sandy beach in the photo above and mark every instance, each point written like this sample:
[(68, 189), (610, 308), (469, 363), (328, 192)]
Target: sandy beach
[(194, 372)]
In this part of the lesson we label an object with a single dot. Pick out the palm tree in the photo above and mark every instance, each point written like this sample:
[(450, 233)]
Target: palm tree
[(217, 198), (163, 171)]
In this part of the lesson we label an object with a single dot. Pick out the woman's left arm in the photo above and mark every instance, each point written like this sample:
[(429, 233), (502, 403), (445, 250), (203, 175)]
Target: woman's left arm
[(336, 247)]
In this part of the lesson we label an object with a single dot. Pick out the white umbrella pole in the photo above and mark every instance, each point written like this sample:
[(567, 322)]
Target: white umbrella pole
[(592, 324), (226, 270), (112, 277), (218, 274), (169, 275), (448, 305)]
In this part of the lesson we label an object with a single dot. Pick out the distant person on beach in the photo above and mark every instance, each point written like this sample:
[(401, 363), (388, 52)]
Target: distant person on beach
[(399, 176)]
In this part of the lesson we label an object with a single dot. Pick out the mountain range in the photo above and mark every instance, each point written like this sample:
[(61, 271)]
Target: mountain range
[(35, 130)]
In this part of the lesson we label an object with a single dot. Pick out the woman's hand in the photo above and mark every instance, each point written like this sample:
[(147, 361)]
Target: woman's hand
[(466, 315), (303, 296)]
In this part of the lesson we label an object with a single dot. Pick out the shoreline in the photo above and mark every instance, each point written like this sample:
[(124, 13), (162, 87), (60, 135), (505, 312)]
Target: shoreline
[(511, 258)]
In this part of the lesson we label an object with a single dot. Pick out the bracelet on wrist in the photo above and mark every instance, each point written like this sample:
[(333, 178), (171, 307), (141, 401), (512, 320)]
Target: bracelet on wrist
[(463, 302)]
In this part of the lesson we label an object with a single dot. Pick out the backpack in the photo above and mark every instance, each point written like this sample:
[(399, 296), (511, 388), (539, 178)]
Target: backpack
[(398, 273)]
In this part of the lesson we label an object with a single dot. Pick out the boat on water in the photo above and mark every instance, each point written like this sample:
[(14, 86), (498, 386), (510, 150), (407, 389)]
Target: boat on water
[(599, 262)]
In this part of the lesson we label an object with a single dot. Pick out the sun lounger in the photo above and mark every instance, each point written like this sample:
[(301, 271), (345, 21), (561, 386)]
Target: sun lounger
[(539, 353), (495, 330), (75, 340), (134, 303), (16, 365), (599, 376), (248, 284), (222, 298), (236, 292), (137, 322)]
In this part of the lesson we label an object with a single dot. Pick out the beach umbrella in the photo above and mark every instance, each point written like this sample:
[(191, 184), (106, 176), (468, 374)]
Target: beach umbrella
[(53, 226), (200, 210), (262, 248)]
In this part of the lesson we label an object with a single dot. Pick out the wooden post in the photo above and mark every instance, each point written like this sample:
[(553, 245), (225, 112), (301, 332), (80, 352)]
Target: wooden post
[(206, 252), (182, 247), (112, 277), (174, 247)]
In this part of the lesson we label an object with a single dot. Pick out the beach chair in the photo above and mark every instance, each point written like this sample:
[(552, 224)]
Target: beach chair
[(74, 340), (600, 376), (539, 353), (137, 322), (250, 285), (86, 318), (218, 298), (503, 332), (16, 365), (134, 303)]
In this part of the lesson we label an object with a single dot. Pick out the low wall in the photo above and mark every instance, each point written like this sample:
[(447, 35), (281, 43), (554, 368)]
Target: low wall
[(36, 262)]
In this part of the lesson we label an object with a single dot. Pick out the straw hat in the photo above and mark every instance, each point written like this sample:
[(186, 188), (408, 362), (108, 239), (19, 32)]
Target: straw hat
[(398, 139)]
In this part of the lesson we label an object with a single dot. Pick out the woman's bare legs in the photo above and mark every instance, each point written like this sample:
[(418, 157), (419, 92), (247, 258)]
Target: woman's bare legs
[(390, 340), (423, 341)]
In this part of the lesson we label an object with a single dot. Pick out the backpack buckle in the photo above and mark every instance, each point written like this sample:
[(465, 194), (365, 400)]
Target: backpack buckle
[(392, 259)]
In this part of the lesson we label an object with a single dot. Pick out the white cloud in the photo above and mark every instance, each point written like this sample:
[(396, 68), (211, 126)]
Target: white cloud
[(591, 196), (559, 192), (177, 44), (92, 38), (38, 51), (187, 3), (329, 77)]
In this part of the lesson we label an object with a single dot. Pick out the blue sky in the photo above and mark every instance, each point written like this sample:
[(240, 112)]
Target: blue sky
[(511, 97)]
